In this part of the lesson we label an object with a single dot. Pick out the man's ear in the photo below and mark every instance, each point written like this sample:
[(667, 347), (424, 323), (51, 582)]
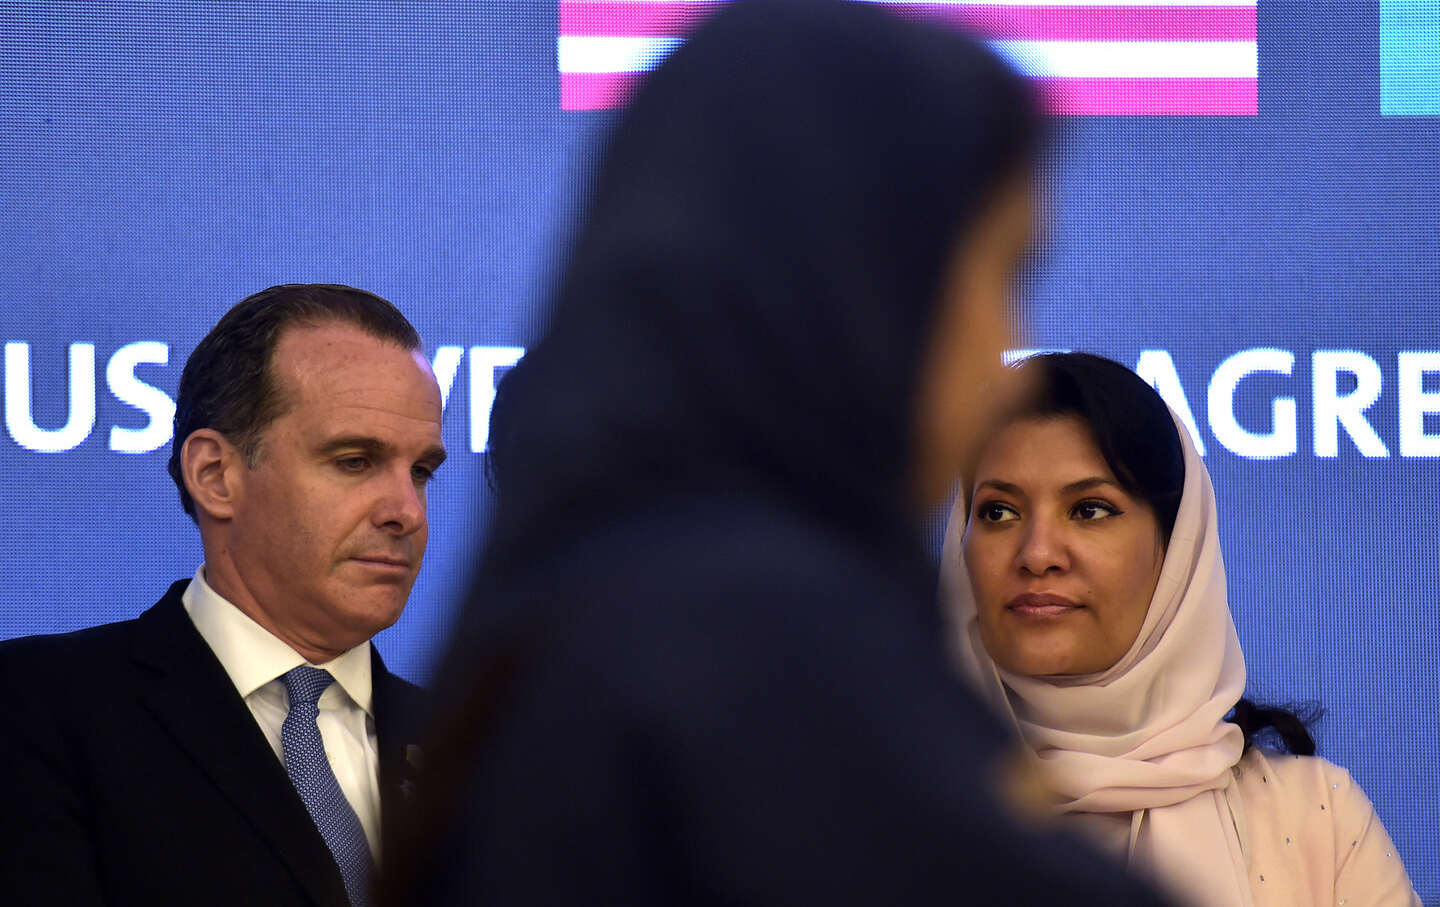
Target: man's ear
[(211, 467)]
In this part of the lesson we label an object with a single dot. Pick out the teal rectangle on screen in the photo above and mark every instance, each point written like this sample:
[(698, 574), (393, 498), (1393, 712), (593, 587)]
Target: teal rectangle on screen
[(1410, 57)]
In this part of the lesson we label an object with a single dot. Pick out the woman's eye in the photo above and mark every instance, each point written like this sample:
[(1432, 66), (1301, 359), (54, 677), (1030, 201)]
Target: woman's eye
[(1093, 510), (997, 513)]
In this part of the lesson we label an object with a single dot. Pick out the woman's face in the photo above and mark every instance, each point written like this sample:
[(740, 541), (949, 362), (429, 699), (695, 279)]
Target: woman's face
[(1063, 561)]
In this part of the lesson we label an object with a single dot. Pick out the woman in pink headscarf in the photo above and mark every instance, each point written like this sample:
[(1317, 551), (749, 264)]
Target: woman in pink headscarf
[(1082, 569)]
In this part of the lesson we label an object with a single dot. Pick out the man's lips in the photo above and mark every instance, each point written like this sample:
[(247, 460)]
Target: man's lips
[(1041, 605), (383, 560)]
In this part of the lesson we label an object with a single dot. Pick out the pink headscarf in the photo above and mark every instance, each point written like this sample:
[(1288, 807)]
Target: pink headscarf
[(1147, 736)]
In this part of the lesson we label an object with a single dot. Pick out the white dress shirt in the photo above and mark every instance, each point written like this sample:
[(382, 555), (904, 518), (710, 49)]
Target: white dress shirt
[(256, 660)]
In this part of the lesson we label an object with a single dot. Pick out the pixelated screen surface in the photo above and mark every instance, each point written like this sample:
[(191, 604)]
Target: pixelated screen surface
[(1241, 206)]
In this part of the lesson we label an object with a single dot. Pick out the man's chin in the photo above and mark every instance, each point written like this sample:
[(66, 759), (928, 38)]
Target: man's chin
[(365, 611)]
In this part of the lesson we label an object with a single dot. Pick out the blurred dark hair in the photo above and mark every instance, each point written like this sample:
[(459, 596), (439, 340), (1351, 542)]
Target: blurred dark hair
[(227, 383), (500, 446), (748, 297), (1140, 442), (743, 313)]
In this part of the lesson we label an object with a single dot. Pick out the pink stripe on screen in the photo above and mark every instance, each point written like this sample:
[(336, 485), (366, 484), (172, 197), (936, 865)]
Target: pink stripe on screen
[(597, 90), (1139, 97), (627, 18), (1072, 96), (1091, 23)]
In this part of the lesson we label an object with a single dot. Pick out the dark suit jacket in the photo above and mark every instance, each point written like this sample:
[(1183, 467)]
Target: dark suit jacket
[(135, 774)]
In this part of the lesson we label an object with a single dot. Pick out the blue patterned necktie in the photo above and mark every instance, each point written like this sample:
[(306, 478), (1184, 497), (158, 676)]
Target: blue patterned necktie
[(310, 772)]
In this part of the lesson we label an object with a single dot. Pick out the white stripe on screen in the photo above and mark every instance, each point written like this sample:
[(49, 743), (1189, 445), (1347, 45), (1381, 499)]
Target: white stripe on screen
[(1131, 59), (590, 53), (1076, 59)]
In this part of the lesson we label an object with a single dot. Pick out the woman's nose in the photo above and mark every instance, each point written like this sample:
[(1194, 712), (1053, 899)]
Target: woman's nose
[(1042, 549)]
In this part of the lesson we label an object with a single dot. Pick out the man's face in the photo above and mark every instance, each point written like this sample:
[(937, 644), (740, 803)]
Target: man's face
[(329, 525)]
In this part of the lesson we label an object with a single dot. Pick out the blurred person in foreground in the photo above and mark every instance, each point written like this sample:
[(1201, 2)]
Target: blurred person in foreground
[(703, 663), (237, 742), (1083, 568)]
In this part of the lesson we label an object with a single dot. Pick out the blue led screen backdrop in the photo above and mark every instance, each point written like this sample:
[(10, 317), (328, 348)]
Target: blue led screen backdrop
[(1274, 273)]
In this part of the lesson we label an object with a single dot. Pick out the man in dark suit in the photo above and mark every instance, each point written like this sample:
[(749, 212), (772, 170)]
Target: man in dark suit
[(236, 743)]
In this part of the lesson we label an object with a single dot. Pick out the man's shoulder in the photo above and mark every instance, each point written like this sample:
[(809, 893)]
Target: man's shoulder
[(395, 691), (58, 652), (59, 671), (51, 648), (396, 684)]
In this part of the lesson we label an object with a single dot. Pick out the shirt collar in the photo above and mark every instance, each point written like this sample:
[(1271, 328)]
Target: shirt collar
[(253, 657)]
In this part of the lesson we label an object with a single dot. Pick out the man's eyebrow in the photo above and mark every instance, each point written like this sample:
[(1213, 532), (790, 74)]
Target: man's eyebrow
[(362, 443), (374, 447)]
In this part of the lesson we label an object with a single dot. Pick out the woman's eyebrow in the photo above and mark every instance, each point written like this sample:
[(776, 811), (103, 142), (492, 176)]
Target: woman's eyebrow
[(1087, 483), (1003, 487)]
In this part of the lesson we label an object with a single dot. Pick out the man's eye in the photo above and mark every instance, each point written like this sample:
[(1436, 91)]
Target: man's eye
[(997, 513), (422, 474), (1093, 510), (352, 464)]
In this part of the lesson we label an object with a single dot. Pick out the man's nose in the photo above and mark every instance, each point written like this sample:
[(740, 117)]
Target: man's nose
[(1042, 549), (400, 508)]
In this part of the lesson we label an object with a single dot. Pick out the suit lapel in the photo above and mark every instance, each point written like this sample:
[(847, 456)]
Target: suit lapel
[(191, 696), (397, 713)]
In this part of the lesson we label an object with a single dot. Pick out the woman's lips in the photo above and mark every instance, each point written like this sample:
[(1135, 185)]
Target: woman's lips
[(1041, 605)]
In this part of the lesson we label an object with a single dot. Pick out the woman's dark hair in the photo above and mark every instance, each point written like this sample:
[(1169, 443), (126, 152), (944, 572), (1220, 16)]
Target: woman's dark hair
[(1140, 442), (1129, 421), (1287, 728)]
